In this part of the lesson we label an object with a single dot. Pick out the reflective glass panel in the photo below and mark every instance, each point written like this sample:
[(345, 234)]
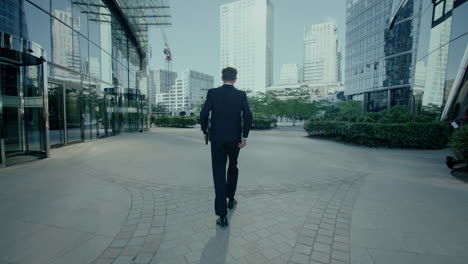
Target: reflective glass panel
[(44, 4), (56, 114), (35, 23), (94, 61), (80, 17), (62, 39), (10, 21), (62, 10)]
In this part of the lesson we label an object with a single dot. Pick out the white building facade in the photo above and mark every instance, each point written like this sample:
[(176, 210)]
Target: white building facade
[(321, 54), (160, 81), (290, 73), (247, 42), (188, 92)]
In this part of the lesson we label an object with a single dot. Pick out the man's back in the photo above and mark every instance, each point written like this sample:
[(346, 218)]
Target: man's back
[(226, 104)]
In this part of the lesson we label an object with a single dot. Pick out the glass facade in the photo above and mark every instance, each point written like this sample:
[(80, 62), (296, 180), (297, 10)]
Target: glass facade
[(90, 81), (442, 48), (379, 59)]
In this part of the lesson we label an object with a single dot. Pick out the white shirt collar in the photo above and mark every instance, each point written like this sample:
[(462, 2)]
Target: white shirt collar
[(226, 83)]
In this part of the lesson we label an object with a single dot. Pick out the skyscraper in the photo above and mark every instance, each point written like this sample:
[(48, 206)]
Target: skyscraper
[(380, 63), (160, 81), (290, 74), (188, 91), (321, 56), (247, 42)]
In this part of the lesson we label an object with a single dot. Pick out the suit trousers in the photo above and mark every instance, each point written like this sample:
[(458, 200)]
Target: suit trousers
[(220, 152)]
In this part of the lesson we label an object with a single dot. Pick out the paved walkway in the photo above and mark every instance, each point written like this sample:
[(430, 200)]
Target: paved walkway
[(148, 198)]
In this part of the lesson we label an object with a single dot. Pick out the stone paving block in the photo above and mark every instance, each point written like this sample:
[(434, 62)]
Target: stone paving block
[(331, 211), (141, 233), (123, 260), (130, 228), (314, 227), (192, 257), (309, 232), (342, 231), (283, 248), (331, 216), (256, 258), (343, 220), (340, 238), (124, 235), (315, 215), (270, 253), (327, 226), (111, 253), (334, 261), (324, 239), (325, 232), (156, 230), (303, 249), (320, 257), (305, 240), (298, 258), (130, 251), (341, 246), (149, 248), (322, 247), (136, 241), (238, 252), (101, 261), (143, 259), (342, 225), (329, 221), (339, 255), (314, 262), (119, 243)]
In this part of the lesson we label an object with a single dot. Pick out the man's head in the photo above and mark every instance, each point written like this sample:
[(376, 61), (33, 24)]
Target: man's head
[(229, 74)]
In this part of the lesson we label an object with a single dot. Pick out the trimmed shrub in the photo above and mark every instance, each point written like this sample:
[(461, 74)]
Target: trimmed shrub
[(459, 143), (325, 128), (405, 135), (175, 121), (260, 122)]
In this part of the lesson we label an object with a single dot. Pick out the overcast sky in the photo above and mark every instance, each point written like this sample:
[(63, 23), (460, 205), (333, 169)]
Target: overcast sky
[(194, 34)]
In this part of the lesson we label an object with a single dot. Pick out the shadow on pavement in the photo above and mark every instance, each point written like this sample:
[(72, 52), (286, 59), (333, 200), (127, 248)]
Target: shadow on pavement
[(216, 249), (461, 174)]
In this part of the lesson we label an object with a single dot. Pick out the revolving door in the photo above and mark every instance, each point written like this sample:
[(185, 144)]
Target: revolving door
[(23, 107)]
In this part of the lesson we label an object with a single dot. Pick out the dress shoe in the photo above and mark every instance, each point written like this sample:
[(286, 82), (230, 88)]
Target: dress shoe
[(232, 203), (222, 221)]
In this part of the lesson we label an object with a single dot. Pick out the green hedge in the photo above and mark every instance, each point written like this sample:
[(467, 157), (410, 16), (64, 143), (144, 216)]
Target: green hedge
[(405, 135), (459, 143), (174, 121), (263, 122)]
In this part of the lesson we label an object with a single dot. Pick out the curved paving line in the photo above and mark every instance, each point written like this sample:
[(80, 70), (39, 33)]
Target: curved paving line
[(325, 237), (140, 237)]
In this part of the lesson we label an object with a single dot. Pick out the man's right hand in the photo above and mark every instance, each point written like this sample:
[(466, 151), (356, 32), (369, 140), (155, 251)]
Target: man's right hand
[(242, 143)]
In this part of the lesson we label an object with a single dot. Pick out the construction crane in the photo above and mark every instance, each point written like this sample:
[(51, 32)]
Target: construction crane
[(168, 66), (167, 51)]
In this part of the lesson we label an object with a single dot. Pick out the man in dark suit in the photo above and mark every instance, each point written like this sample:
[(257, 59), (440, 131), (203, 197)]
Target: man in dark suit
[(227, 135)]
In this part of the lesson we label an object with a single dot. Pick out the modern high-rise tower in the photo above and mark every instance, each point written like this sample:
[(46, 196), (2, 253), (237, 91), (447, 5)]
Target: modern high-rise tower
[(160, 81), (247, 42), (290, 74), (321, 54), (380, 63)]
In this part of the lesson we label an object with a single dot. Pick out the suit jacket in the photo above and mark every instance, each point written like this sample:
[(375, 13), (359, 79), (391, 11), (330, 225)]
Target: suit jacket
[(227, 105)]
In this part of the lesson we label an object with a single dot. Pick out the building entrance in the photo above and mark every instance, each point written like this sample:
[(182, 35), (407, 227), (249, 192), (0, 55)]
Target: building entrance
[(23, 123)]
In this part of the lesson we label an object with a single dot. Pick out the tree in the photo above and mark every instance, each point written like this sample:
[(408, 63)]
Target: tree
[(159, 108)]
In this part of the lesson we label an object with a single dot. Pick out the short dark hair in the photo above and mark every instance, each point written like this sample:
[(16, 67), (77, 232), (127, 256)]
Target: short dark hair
[(229, 74)]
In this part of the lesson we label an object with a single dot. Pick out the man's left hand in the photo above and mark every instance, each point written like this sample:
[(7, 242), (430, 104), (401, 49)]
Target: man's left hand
[(242, 144)]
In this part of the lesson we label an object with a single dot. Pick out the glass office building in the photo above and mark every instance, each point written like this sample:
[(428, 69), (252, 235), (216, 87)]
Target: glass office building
[(72, 71), (380, 62), (441, 77)]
